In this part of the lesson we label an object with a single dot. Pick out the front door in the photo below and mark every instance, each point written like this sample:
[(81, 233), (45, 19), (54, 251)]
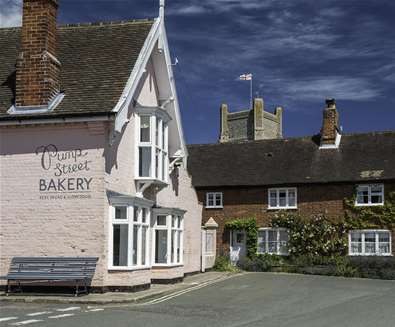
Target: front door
[(237, 246)]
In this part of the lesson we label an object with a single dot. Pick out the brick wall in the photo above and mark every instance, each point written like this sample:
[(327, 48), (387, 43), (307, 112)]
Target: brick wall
[(253, 202)]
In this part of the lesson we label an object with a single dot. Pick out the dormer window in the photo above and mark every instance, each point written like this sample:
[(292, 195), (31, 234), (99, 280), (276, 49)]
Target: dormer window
[(152, 145)]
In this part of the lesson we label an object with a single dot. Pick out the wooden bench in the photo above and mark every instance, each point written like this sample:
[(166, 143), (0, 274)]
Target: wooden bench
[(51, 269)]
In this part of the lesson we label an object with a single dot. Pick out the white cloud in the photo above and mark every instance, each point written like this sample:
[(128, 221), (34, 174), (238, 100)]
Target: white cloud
[(11, 13), (187, 10)]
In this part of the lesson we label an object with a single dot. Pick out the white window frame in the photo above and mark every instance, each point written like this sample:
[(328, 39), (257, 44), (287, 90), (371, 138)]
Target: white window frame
[(278, 190), (369, 186), (277, 230), (158, 143), (363, 244), (170, 240), (129, 221), (215, 195)]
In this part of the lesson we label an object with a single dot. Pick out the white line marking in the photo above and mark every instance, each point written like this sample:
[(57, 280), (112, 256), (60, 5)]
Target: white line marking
[(39, 313), (68, 309), (61, 316), (26, 322), (8, 318), (95, 310), (190, 289)]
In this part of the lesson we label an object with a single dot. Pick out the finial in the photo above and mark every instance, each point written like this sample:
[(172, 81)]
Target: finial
[(161, 9)]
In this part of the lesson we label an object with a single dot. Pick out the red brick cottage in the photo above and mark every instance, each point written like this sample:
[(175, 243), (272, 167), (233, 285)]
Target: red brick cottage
[(307, 175)]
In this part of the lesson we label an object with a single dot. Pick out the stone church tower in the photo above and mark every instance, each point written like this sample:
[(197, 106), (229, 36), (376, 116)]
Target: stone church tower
[(254, 124)]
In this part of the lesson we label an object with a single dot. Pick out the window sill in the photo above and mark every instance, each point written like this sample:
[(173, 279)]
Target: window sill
[(281, 254), (217, 207), (282, 208), (165, 265), (370, 255), (129, 268), (368, 204)]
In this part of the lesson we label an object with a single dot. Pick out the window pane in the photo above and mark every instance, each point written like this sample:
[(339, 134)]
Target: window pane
[(370, 242), (161, 246), (161, 221), (157, 132), (157, 158), (273, 198), (292, 198), (144, 215), (145, 161), (173, 246), (272, 235), (120, 245), (384, 236), (218, 199), (120, 213), (262, 241), (164, 166), (144, 245), (363, 195), (145, 128), (173, 221), (376, 194), (179, 220), (164, 136), (282, 198), (135, 244), (179, 234), (135, 213), (384, 242)]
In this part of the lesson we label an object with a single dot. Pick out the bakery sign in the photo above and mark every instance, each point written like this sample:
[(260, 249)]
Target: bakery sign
[(68, 170)]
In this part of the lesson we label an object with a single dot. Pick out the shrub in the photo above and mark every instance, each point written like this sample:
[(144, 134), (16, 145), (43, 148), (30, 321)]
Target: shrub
[(262, 262), (222, 263)]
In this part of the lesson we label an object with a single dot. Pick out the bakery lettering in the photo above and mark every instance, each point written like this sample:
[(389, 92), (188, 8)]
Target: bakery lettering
[(64, 165)]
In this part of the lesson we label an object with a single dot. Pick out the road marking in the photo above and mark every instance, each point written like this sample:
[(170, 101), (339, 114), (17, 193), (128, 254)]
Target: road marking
[(39, 313), (8, 318), (94, 310), (26, 322), (61, 316), (190, 289), (68, 309)]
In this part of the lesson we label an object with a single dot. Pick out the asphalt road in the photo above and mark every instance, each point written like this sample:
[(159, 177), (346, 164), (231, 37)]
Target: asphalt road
[(247, 300)]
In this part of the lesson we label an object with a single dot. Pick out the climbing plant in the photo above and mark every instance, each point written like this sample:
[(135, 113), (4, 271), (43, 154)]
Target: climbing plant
[(317, 236), (250, 226), (370, 217)]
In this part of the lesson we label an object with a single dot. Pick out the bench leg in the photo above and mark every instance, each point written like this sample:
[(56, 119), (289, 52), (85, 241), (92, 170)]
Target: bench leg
[(76, 288)]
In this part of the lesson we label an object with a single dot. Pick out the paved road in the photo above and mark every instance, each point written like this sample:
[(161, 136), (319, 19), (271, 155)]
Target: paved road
[(248, 300)]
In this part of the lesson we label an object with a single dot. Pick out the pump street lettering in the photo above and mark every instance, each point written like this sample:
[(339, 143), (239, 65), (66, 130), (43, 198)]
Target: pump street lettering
[(65, 166), (65, 184)]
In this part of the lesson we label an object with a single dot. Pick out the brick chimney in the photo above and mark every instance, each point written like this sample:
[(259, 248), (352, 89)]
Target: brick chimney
[(38, 69), (330, 136)]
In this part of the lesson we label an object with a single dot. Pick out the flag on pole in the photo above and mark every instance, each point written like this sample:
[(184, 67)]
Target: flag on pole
[(245, 77)]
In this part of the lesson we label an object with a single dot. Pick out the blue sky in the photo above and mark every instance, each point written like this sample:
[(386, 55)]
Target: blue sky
[(300, 52)]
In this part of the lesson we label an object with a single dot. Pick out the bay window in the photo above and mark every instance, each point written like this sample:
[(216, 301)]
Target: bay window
[(152, 145), (129, 237), (273, 241), (168, 240), (370, 195), (370, 242)]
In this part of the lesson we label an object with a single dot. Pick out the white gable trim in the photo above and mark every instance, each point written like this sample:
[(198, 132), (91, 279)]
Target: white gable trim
[(157, 33), (122, 106)]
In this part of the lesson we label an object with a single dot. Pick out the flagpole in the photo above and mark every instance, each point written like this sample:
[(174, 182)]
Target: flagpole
[(251, 96)]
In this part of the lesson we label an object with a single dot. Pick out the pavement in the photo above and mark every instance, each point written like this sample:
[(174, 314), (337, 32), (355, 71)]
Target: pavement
[(244, 300), (155, 291)]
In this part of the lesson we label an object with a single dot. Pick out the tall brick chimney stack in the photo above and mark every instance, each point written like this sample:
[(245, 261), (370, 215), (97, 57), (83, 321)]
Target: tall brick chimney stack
[(38, 69), (330, 136)]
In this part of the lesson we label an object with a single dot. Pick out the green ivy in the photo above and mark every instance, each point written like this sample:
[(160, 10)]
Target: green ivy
[(250, 226), (370, 217)]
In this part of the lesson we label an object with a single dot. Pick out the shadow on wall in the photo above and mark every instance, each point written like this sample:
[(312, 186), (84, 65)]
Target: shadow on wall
[(174, 178), (10, 82)]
